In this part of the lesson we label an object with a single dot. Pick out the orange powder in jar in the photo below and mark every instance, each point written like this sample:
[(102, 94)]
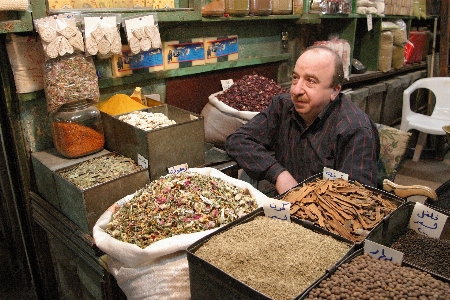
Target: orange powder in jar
[(74, 140)]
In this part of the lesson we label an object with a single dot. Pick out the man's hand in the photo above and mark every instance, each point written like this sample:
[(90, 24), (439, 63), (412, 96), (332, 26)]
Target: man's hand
[(285, 181)]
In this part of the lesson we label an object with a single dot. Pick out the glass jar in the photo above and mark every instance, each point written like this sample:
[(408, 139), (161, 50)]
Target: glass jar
[(77, 129), (237, 7), (213, 8), (282, 7), (260, 7)]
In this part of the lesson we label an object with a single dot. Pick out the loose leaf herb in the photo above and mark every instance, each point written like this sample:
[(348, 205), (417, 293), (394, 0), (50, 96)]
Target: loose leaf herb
[(176, 204)]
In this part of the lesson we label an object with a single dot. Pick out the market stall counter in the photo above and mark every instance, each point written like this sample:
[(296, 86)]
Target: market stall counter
[(78, 263)]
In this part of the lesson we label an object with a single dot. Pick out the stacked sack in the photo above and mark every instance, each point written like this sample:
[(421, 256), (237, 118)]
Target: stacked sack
[(392, 45)]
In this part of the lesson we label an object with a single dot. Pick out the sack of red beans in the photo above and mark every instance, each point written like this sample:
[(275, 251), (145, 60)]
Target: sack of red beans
[(227, 110)]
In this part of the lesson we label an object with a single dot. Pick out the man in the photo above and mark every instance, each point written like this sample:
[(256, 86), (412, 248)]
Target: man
[(314, 127)]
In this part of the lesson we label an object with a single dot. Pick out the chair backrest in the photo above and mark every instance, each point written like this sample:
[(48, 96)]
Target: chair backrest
[(440, 86)]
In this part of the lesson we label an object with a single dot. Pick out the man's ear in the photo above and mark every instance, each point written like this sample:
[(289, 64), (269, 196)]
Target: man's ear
[(335, 92)]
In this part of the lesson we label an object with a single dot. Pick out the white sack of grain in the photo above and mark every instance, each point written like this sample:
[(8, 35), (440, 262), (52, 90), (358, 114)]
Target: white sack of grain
[(386, 51), (26, 57), (222, 120), (159, 271), (20, 5)]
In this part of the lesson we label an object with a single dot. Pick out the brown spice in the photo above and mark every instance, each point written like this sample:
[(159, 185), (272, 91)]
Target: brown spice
[(74, 140), (347, 209), (276, 258)]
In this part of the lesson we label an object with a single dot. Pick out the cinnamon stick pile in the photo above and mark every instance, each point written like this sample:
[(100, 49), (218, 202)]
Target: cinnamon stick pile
[(344, 208)]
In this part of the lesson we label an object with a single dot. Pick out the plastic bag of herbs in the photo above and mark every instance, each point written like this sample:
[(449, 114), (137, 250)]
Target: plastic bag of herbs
[(145, 234)]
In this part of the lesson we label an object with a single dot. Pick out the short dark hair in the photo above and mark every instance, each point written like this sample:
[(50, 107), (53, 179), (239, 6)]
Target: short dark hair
[(338, 76)]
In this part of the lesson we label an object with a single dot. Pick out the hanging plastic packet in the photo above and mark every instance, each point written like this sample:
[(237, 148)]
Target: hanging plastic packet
[(142, 33), (70, 79), (101, 34), (60, 35)]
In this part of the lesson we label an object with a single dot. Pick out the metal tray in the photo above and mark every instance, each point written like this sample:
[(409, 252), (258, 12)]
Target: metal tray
[(389, 196), (353, 256), (210, 282)]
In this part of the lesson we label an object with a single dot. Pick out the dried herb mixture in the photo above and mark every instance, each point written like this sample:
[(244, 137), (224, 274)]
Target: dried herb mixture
[(251, 93), (98, 170), (177, 204)]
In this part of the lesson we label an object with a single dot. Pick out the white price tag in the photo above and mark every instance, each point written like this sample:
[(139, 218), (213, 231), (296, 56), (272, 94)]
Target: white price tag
[(333, 174), (427, 221), (277, 209), (369, 22), (226, 83), (142, 161), (382, 252), (178, 169)]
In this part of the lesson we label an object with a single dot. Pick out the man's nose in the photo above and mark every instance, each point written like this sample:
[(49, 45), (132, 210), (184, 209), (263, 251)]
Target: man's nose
[(298, 87)]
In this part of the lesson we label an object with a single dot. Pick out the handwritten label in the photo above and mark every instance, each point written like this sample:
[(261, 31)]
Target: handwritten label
[(369, 22), (333, 174), (274, 208), (142, 161), (381, 252), (427, 221), (226, 83), (178, 169)]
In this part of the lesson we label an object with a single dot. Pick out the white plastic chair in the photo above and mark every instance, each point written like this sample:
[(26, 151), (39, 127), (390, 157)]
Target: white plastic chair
[(440, 116)]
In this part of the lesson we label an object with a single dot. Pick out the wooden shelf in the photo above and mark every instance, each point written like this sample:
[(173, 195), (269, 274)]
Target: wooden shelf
[(21, 22), (372, 75)]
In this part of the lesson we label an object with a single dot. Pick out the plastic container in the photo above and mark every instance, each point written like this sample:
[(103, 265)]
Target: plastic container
[(77, 129), (260, 7), (282, 7), (237, 7), (214, 8)]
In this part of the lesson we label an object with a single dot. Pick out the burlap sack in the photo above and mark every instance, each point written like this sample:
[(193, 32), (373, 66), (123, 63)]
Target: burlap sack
[(14, 5), (26, 57)]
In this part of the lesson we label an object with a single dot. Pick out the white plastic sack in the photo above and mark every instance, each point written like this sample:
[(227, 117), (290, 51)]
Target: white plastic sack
[(221, 120), (19, 5), (26, 57), (159, 271)]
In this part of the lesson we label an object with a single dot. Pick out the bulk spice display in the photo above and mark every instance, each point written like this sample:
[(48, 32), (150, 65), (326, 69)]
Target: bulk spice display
[(426, 252), (345, 208), (175, 204), (251, 93), (147, 120), (120, 104), (280, 259), (365, 277), (99, 170), (74, 140)]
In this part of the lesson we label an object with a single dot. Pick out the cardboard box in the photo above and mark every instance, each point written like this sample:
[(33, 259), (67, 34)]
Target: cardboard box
[(222, 48), (123, 64), (159, 149), (184, 53), (83, 207)]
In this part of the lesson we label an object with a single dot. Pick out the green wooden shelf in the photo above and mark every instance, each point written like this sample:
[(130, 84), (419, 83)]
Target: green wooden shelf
[(250, 18), (160, 75), (135, 78), (21, 21)]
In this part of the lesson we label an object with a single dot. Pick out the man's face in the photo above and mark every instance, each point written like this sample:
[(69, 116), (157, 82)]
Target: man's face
[(311, 81)]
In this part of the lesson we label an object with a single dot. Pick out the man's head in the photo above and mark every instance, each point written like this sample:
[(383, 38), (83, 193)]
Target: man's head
[(316, 81)]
